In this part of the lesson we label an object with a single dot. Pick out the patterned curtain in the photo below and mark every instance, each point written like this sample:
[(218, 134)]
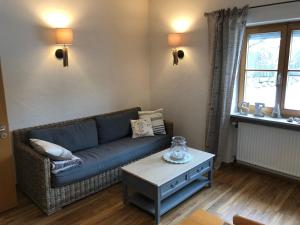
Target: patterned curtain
[(226, 30)]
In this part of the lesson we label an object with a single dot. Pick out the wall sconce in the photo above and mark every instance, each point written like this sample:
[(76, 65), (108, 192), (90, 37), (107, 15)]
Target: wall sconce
[(175, 40), (63, 36)]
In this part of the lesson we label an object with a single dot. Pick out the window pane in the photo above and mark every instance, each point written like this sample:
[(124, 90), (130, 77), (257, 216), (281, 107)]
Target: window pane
[(263, 51), (260, 86), (292, 96), (294, 61)]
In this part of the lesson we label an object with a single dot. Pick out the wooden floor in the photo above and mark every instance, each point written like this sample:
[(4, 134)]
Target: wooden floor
[(237, 190)]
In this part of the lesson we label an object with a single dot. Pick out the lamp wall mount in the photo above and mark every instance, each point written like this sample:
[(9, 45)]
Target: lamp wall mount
[(62, 53), (177, 54)]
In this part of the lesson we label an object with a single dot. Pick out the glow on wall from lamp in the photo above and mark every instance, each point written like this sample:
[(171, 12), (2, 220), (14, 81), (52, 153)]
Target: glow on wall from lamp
[(181, 25), (57, 19)]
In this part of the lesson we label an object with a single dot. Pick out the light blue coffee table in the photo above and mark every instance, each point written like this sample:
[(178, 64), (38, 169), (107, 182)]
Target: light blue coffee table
[(157, 186)]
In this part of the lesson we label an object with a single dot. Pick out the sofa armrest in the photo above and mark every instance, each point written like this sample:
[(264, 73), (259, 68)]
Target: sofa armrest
[(169, 128), (33, 173)]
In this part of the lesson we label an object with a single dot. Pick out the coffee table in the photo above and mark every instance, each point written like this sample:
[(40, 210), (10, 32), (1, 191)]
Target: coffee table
[(157, 186)]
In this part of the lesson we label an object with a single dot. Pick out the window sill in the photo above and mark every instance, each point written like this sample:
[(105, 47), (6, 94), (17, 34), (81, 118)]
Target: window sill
[(266, 121)]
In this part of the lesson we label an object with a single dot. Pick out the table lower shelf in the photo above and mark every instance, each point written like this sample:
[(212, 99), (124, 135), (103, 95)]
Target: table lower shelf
[(172, 201)]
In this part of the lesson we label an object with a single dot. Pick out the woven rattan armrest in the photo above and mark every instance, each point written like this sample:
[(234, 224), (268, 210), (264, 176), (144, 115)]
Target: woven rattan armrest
[(33, 172)]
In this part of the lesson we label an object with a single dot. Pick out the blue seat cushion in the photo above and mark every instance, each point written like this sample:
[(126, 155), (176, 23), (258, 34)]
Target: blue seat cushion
[(108, 156), (114, 126), (74, 137)]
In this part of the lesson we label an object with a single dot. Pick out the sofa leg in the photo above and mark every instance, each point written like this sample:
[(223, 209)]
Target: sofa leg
[(51, 211)]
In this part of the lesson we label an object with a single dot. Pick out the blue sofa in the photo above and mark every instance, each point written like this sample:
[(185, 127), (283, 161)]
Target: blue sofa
[(104, 144)]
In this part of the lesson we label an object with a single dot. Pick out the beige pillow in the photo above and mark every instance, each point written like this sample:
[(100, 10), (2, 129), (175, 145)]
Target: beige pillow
[(157, 120), (141, 128), (53, 151)]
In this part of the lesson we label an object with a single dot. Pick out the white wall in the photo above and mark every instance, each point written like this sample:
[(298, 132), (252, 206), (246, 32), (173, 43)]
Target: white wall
[(183, 90), (109, 61), (109, 66)]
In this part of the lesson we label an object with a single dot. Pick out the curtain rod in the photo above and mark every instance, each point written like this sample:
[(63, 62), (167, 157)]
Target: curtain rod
[(266, 5), (271, 4)]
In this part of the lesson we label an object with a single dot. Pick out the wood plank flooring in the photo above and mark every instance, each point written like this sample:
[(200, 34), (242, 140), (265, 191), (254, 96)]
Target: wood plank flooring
[(236, 190)]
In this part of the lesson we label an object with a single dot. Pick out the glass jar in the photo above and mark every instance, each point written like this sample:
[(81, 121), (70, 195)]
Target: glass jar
[(178, 148)]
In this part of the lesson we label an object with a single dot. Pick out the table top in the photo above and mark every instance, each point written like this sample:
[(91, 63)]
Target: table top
[(157, 171)]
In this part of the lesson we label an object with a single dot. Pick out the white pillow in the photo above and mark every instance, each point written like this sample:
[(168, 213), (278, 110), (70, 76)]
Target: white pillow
[(157, 120), (141, 128), (53, 151)]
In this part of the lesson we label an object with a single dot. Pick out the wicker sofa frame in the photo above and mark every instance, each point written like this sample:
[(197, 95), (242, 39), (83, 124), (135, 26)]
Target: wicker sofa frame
[(34, 175)]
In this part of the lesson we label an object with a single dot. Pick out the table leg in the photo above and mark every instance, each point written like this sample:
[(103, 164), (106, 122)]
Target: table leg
[(157, 202), (125, 193), (210, 174)]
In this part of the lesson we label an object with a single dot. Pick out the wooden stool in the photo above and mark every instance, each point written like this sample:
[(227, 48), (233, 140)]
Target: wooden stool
[(238, 220), (201, 217)]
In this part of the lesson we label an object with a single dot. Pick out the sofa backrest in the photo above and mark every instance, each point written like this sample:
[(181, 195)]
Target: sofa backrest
[(74, 137), (116, 125), (22, 135)]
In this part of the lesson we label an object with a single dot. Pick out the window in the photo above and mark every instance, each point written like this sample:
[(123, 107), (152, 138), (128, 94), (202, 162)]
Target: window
[(271, 55), (292, 91)]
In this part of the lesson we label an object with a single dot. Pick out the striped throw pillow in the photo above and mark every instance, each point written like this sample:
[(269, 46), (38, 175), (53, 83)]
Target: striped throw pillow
[(157, 120)]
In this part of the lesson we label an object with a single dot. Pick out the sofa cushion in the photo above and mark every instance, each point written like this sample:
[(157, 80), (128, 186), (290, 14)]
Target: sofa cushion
[(141, 128), (115, 125), (74, 137), (108, 156), (156, 118), (51, 150)]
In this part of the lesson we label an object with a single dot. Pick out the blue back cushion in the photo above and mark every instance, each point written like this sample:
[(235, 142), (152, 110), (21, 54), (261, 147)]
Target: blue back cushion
[(115, 125), (73, 137)]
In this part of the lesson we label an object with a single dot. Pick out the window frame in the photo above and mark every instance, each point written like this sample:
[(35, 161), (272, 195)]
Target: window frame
[(290, 28), (286, 31)]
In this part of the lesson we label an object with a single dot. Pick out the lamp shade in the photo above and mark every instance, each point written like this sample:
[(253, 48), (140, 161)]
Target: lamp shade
[(64, 36), (175, 39)]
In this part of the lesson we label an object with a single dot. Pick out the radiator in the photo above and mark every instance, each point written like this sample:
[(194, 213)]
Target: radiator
[(271, 148)]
